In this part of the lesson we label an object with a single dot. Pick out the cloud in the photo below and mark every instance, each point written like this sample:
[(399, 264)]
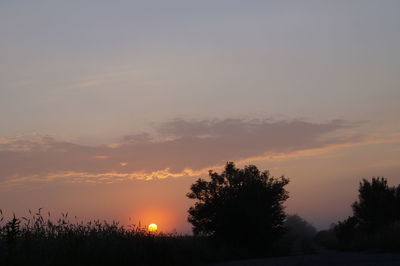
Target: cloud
[(178, 148)]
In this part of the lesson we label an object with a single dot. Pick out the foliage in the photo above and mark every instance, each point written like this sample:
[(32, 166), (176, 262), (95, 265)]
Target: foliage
[(37, 240), (346, 230), (378, 204), (239, 206), (375, 221)]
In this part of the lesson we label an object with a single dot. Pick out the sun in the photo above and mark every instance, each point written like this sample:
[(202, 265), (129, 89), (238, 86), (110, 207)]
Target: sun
[(152, 227)]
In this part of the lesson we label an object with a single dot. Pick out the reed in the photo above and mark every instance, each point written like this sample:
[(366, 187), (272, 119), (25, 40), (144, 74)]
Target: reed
[(40, 240)]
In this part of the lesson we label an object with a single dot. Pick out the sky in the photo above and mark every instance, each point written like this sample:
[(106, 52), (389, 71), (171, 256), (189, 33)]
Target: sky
[(112, 109)]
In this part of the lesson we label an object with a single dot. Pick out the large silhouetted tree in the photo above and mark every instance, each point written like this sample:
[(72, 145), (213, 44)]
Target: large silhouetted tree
[(239, 206)]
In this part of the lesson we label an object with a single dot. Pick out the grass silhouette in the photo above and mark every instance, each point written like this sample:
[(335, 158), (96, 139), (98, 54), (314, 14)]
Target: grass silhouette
[(38, 240)]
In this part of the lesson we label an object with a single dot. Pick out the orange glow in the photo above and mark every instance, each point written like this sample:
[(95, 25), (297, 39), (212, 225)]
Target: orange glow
[(162, 216), (152, 227)]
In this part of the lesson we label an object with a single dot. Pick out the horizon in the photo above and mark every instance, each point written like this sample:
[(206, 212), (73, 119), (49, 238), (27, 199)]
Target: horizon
[(112, 110)]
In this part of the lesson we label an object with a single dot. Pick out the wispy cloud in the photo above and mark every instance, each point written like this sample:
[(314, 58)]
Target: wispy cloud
[(179, 148)]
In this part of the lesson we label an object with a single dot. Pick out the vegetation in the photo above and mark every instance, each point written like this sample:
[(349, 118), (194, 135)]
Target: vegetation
[(375, 224), (240, 207), (36, 240), (300, 234), (237, 214), (299, 228), (378, 205)]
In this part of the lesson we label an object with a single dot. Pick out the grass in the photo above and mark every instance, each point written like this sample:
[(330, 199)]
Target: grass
[(37, 240)]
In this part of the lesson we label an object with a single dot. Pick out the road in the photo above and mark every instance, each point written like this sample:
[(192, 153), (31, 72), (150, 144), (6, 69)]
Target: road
[(322, 257)]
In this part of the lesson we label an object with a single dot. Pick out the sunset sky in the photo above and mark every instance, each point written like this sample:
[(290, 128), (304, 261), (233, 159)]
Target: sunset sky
[(112, 109)]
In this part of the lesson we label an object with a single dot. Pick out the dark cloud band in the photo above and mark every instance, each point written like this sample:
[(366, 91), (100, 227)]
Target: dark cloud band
[(177, 145)]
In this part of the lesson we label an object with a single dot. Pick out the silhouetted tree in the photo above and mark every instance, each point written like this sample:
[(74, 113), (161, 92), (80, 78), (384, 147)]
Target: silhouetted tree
[(346, 230), (239, 206), (375, 215), (378, 204)]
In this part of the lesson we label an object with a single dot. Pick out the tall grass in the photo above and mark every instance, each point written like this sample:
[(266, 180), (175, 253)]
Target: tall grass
[(39, 240)]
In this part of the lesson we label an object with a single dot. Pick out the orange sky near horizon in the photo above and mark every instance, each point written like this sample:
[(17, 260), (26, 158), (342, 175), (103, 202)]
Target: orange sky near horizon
[(323, 184)]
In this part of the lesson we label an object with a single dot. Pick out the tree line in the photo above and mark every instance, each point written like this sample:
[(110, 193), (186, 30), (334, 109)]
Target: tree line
[(237, 214), (244, 207)]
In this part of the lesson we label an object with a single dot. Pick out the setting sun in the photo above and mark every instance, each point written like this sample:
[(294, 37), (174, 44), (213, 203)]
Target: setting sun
[(152, 227)]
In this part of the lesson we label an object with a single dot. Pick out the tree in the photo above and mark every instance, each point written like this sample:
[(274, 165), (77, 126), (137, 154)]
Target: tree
[(377, 205), (346, 230), (239, 206), (375, 218)]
